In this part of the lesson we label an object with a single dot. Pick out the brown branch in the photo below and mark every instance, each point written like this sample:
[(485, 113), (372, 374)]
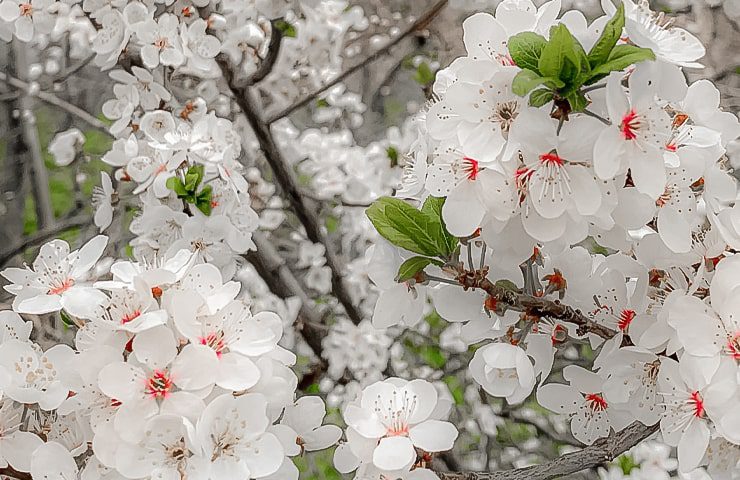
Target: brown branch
[(419, 24), (273, 50), (603, 451), (13, 473), (55, 101), (537, 306), (42, 236), (281, 282), (285, 177)]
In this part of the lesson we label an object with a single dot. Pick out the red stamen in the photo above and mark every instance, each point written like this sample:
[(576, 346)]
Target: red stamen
[(551, 159), (158, 386), (630, 124), (471, 168), (698, 404), (596, 402), (625, 318), (130, 316), (156, 292), (66, 285)]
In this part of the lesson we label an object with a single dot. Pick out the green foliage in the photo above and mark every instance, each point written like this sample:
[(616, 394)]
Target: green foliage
[(456, 388), (627, 463), (322, 103), (556, 69), (413, 266), (424, 75), (421, 232), (285, 28), (317, 465), (187, 190), (392, 153)]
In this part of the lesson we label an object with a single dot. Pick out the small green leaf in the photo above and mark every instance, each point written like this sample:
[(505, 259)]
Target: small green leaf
[(507, 285), (527, 80), (424, 75), (176, 185), (433, 207), (599, 53), (578, 102), (525, 49), (392, 153), (540, 97), (620, 58), (412, 266), (456, 389), (560, 46), (203, 200), (627, 463), (193, 177), (322, 103), (285, 28), (66, 319), (406, 227), (432, 356)]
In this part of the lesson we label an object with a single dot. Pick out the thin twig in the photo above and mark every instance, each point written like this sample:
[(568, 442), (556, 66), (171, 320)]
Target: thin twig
[(603, 451), (52, 99), (419, 24), (42, 236), (597, 117)]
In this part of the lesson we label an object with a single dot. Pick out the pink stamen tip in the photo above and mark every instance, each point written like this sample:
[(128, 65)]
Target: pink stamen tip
[(596, 402), (471, 168), (698, 403), (625, 319), (551, 159), (630, 124)]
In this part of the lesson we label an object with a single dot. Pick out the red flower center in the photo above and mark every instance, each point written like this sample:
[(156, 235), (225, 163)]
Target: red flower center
[(698, 403), (130, 316), (158, 386), (26, 9), (63, 287), (596, 402), (470, 168), (551, 159), (630, 125), (215, 341), (625, 318), (733, 345)]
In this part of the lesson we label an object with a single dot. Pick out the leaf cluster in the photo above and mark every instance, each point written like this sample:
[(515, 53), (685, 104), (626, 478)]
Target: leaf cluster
[(557, 69), (188, 190), (418, 231)]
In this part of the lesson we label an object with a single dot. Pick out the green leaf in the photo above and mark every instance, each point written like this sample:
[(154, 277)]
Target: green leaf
[(578, 102), (285, 28), (412, 266), (540, 97), (525, 49), (560, 46), (406, 227), (432, 356), (193, 177), (392, 153), (599, 53), (433, 207), (507, 285), (424, 75), (176, 185), (322, 103), (620, 58), (527, 80), (203, 200), (456, 389)]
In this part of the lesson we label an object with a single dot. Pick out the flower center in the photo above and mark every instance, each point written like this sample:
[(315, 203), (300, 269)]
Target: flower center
[(505, 114), (130, 316), (631, 123), (698, 403), (625, 318), (596, 402), (26, 9), (395, 414), (559, 334), (62, 287), (215, 341), (158, 386), (551, 159), (733, 345), (470, 168), (161, 43)]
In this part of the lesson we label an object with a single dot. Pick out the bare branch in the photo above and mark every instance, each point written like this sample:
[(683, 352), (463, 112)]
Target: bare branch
[(52, 99), (13, 473), (43, 235), (273, 50), (603, 451), (281, 281), (285, 177), (419, 24)]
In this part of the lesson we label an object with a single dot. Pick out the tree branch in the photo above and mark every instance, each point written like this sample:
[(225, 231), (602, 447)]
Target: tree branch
[(419, 24), (285, 177), (13, 473), (55, 101), (281, 281), (42, 236), (538, 306), (603, 451)]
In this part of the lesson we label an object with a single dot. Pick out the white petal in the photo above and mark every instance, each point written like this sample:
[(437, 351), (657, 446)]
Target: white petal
[(394, 453), (433, 435)]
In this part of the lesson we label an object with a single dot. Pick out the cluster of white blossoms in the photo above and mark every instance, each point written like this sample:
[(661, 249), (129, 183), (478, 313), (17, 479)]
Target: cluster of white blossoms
[(575, 154), (550, 136)]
